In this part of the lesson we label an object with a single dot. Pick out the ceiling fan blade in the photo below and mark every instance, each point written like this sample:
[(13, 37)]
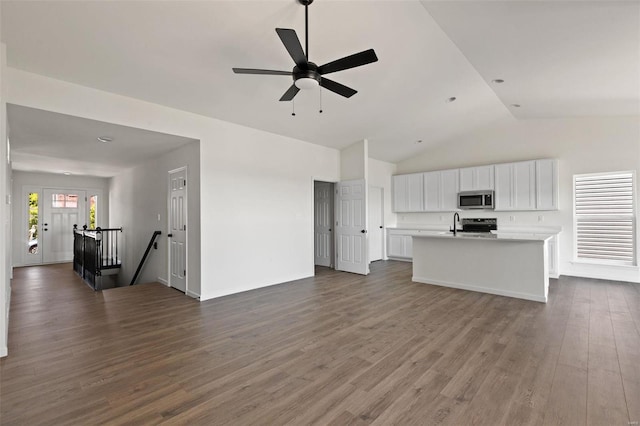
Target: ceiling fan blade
[(290, 93), (352, 61), (257, 71), (338, 88), (292, 44)]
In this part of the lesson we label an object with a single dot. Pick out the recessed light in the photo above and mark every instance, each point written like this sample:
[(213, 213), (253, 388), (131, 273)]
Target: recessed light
[(516, 105), (498, 81), (104, 139), (66, 173), (451, 99)]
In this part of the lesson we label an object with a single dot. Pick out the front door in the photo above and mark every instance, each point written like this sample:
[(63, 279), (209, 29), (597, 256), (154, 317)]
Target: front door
[(61, 209), (323, 223), (178, 229), (351, 228)]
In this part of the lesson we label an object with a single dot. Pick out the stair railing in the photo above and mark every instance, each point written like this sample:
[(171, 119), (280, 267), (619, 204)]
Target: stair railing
[(144, 257), (95, 250)]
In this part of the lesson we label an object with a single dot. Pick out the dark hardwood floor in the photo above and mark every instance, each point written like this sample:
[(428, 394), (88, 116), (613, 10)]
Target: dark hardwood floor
[(335, 349)]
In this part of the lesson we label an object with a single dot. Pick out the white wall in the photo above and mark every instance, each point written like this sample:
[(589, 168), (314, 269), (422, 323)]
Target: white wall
[(354, 160), (256, 187), (5, 222), (137, 197), (48, 180), (582, 145)]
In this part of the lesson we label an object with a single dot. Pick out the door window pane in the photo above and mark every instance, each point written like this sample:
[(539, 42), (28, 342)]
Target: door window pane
[(64, 201), (32, 236)]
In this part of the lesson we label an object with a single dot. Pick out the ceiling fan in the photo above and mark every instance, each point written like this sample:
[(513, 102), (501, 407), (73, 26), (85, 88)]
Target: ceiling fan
[(306, 74)]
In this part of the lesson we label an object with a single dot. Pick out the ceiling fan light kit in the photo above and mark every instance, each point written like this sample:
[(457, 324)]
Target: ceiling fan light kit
[(307, 75)]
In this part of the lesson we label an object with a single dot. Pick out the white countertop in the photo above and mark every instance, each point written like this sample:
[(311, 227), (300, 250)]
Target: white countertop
[(505, 232), (486, 236)]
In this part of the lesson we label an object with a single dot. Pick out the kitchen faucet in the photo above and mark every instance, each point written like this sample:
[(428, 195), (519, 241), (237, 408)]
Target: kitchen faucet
[(455, 215)]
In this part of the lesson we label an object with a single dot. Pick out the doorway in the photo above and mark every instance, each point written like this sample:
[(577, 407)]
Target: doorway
[(376, 223), (323, 240), (50, 216), (177, 218)]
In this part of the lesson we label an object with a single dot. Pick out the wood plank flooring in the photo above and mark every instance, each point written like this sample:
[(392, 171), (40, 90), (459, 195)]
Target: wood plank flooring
[(335, 349)]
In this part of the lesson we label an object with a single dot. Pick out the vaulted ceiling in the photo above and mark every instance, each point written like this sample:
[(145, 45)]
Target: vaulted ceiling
[(557, 59)]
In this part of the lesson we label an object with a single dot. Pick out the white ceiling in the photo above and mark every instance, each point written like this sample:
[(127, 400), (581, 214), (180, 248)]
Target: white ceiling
[(558, 59), (59, 143)]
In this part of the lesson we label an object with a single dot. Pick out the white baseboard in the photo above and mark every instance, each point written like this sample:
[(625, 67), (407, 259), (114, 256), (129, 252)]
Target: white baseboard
[(193, 294), (498, 292), (629, 274), (606, 277), (3, 352), (162, 281), (401, 259)]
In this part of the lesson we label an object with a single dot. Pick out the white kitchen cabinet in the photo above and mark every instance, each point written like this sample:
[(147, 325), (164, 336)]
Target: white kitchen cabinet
[(476, 178), (449, 184), (399, 245), (432, 191), (503, 199), (408, 193), (547, 184), (515, 186), (441, 190)]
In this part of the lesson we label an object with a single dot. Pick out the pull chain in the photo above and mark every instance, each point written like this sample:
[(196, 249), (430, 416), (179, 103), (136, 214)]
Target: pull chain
[(293, 107), (321, 100)]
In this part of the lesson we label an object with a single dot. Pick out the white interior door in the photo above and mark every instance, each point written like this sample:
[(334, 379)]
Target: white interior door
[(178, 229), (351, 230), (376, 224), (323, 223), (61, 209)]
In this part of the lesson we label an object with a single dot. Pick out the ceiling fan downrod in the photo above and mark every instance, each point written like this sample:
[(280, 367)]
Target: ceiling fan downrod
[(306, 4)]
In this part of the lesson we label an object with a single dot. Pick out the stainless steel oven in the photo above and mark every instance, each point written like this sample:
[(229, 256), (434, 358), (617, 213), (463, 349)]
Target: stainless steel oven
[(468, 200)]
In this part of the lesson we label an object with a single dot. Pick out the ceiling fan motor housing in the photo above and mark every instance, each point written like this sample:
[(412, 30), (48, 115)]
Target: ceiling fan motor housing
[(310, 72)]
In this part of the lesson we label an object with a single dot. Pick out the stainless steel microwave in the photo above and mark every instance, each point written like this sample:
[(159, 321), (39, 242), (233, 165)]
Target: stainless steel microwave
[(468, 200)]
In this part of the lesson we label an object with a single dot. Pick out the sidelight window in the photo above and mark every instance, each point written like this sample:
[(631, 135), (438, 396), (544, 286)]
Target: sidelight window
[(93, 211), (32, 220)]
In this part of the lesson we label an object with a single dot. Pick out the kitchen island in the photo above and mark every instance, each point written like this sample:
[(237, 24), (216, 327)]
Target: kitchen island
[(506, 264)]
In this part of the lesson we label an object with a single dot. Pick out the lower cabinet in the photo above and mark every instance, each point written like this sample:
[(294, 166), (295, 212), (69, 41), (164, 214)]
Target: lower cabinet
[(399, 246)]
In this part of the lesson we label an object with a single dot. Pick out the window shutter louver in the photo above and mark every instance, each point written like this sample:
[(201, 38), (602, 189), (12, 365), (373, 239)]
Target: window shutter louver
[(605, 222)]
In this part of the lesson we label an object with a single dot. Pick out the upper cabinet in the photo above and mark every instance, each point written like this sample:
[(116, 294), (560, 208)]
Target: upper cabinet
[(547, 184), (527, 185), (408, 193), (441, 191), (515, 186), (476, 178)]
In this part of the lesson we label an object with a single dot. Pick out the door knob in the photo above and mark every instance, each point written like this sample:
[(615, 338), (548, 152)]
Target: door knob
[(46, 229), (380, 226), (364, 231)]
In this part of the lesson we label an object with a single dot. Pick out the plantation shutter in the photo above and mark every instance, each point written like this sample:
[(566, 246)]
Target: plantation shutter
[(605, 222)]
